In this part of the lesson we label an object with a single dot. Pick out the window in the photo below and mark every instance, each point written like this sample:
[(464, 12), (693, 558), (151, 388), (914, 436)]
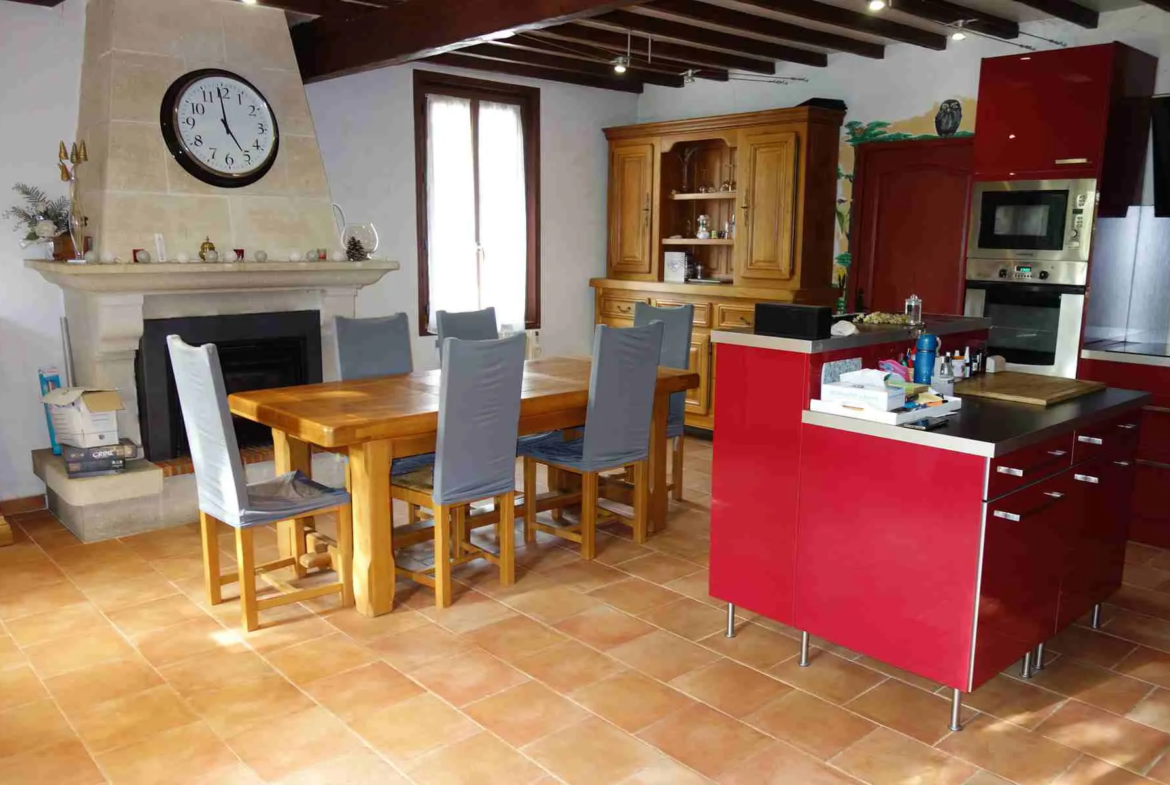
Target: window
[(477, 152)]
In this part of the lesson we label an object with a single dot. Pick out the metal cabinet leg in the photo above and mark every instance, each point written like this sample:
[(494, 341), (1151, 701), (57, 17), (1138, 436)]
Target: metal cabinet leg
[(730, 620), (804, 649), (956, 710), (1026, 668), (1038, 665), (1095, 622)]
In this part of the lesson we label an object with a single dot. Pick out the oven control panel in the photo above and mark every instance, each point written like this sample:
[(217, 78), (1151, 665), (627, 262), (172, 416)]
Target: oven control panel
[(1057, 273)]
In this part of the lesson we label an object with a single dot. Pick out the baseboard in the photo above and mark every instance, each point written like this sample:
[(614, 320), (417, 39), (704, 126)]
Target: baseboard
[(25, 504)]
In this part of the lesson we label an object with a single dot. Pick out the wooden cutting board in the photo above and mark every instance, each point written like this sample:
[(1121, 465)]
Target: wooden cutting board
[(1025, 388)]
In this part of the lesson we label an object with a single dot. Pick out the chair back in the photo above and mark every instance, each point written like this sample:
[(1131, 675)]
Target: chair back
[(466, 325), (677, 327), (621, 394), (372, 347), (479, 418), (219, 472)]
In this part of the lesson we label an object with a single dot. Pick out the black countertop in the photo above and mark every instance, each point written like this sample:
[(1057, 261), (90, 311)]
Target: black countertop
[(992, 428)]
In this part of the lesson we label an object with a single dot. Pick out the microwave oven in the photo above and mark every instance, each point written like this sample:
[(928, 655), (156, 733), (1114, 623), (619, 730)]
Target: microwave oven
[(1032, 220)]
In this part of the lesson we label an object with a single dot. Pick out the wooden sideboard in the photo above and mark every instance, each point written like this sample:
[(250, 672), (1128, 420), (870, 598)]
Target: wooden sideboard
[(772, 174)]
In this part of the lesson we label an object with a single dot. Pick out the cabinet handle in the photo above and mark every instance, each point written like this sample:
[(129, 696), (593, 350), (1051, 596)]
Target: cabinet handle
[(1122, 463), (1009, 470), (1058, 453), (1019, 516), (1054, 494), (1087, 478), (1129, 426), (623, 309), (1090, 440), (1070, 161), (745, 320)]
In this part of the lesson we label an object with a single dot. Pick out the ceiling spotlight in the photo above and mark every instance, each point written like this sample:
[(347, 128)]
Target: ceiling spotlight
[(958, 35), (620, 64), (249, 2), (689, 76), (876, 5)]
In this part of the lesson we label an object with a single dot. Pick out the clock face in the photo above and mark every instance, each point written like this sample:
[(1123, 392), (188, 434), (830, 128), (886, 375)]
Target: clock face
[(220, 128)]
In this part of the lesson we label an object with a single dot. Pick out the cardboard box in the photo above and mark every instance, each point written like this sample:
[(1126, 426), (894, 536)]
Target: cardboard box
[(84, 416), (883, 399)]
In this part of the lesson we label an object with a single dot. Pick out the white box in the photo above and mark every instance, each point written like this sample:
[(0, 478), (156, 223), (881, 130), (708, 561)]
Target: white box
[(888, 418), (883, 399), (84, 416), (675, 269)]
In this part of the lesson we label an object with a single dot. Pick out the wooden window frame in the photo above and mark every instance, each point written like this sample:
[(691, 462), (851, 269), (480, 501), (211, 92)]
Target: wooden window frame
[(528, 99)]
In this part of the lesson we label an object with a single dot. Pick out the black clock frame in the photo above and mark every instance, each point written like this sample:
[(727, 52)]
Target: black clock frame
[(168, 121)]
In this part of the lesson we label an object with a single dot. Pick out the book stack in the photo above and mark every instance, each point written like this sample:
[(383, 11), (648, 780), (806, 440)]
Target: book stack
[(98, 461)]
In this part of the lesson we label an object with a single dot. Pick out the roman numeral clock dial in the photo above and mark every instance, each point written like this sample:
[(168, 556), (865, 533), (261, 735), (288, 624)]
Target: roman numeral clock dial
[(220, 128)]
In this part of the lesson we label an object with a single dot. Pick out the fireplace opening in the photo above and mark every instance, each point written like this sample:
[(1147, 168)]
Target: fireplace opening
[(256, 351)]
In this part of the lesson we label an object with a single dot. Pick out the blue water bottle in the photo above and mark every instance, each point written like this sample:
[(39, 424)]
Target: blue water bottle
[(924, 353)]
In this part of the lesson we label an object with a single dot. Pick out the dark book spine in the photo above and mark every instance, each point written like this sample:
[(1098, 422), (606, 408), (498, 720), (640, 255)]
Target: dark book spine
[(106, 452), (105, 465)]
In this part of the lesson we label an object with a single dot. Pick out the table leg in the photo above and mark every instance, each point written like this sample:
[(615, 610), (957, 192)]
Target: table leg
[(373, 554), (291, 455), (658, 444)]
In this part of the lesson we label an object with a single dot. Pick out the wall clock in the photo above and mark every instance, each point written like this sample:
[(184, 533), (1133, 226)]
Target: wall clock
[(219, 127)]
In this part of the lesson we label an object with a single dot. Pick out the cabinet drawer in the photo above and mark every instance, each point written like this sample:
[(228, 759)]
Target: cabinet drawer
[(616, 321), (1115, 439), (735, 316), (622, 307), (1024, 467), (1154, 443), (702, 317)]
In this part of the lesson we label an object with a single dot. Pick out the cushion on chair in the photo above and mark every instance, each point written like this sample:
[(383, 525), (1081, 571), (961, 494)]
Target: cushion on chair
[(411, 464), (552, 448), (290, 495)]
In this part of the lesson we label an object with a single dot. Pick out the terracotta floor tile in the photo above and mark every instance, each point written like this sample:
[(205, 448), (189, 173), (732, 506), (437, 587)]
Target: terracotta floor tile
[(664, 771), (986, 778), (780, 764), (47, 599), (10, 654), (21, 550), (584, 576), (1145, 601), (414, 727), (281, 627), (918, 714), (31, 727), (709, 742), (470, 611), (1144, 576), (358, 768), (1098, 733), (121, 592), (887, 758), (230, 665), (814, 725), (30, 574), (367, 690), (189, 638), (659, 568), (730, 687), (899, 674), (689, 618), (591, 752), (188, 754), (1138, 628), (1093, 685), (19, 686), (480, 759), (468, 677), (604, 628), (63, 764), (613, 550), (66, 622), (515, 638), (315, 659), (239, 705), (524, 713), (177, 568), (81, 689), (266, 748), (631, 701), (1083, 643), (364, 628), (1160, 771), (1018, 702), (54, 539), (129, 719), (1137, 553), (551, 603), (1090, 771), (828, 676), (1148, 665), (1009, 751), (663, 655), (95, 576), (697, 586), (412, 649), (97, 645), (568, 666), (753, 645), (155, 614)]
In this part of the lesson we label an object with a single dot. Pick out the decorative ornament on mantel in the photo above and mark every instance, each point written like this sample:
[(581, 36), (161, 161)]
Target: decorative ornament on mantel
[(44, 220), (355, 251), (207, 250)]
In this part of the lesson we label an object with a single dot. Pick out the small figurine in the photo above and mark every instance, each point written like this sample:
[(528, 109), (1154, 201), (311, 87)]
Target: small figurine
[(205, 248), (704, 232)]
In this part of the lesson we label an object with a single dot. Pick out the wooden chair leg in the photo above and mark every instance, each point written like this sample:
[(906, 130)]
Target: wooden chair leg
[(507, 541), (641, 500), (411, 513), (442, 555), (676, 468), (458, 530), (345, 554), (556, 483), (589, 515), (300, 546), (529, 500), (209, 530), (246, 564)]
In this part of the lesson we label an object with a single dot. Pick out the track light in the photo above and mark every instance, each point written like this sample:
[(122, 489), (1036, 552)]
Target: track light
[(958, 35), (877, 5), (689, 76), (620, 64)]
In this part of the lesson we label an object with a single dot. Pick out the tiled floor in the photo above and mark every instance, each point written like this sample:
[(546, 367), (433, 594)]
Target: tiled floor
[(112, 669)]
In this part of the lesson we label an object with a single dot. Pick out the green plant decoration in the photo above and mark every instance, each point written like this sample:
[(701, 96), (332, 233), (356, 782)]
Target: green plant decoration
[(39, 208)]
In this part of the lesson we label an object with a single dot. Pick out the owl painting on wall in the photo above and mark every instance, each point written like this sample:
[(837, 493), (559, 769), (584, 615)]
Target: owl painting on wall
[(949, 117)]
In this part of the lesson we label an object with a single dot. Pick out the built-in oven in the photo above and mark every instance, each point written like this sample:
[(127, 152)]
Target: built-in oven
[(1035, 310), (1032, 220)]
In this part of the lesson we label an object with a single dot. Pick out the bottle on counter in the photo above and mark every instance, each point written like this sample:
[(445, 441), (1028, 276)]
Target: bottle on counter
[(944, 381), (914, 310)]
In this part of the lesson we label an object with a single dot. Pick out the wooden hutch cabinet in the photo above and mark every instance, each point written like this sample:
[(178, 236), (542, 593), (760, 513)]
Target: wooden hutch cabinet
[(772, 180)]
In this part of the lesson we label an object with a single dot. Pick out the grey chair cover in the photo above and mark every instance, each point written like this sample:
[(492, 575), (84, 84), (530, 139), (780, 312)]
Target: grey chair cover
[(479, 418), (219, 473), (373, 347), (621, 402), (677, 326), (466, 325)]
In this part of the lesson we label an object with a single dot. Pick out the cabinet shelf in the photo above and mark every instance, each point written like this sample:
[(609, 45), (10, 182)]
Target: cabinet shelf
[(692, 241), (701, 197)]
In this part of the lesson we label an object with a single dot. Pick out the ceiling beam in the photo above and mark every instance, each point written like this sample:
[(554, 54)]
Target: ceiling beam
[(656, 27), (1163, 4), (616, 42), (947, 13), (659, 65), (851, 20), (42, 3), (544, 60), (695, 12), (1066, 10), (459, 60), (330, 8), (329, 47)]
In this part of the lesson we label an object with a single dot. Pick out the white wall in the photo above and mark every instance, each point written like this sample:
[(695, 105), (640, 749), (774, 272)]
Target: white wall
[(365, 127), (40, 74)]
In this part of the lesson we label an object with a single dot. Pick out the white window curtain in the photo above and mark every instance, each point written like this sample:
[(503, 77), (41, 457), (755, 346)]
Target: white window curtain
[(466, 272)]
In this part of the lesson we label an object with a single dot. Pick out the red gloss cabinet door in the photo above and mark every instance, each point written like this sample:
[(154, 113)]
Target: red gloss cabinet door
[(1040, 109), (1151, 510)]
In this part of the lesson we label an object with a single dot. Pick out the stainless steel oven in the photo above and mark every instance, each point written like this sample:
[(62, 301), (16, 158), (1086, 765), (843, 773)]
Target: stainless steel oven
[(1035, 310), (1032, 220)]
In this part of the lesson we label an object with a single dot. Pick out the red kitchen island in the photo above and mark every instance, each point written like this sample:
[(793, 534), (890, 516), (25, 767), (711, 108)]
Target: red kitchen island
[(951, 553)]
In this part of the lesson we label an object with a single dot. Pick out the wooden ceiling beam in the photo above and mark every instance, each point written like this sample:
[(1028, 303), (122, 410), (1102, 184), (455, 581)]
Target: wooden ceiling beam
[(42, 3), (696, 12), (851, 20), (1066, 10), (1163, 4), (329, 8), (513, 54), (588, 52), (616, 42), (329, 47), (947, 13), (460, 60), (656, 27)]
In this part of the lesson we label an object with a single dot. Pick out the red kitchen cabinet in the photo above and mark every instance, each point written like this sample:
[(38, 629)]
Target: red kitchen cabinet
[(1151, 508)]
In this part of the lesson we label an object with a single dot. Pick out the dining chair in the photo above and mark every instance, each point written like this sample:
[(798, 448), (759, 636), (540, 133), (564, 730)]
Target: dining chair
[(616, 434), (225, 495), (475, 457), (466, 325), (677, 327), (372, 347)]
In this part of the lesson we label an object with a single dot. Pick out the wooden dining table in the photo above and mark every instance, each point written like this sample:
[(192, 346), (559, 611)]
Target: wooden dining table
[(377, 420)]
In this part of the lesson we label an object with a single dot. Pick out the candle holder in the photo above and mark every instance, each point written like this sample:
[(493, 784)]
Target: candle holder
[(68, 161)]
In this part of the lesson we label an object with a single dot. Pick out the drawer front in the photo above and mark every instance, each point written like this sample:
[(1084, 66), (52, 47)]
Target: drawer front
[(1024, 467), (621, 307), (735, 316), (702, 316), (1115, 439), (1154, 443)]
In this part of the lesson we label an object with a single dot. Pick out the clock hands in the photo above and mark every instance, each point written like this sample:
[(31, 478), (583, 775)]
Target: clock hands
[(226, 127)]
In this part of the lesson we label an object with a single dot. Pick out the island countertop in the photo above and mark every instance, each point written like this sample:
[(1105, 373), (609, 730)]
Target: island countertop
[(869, 335)]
